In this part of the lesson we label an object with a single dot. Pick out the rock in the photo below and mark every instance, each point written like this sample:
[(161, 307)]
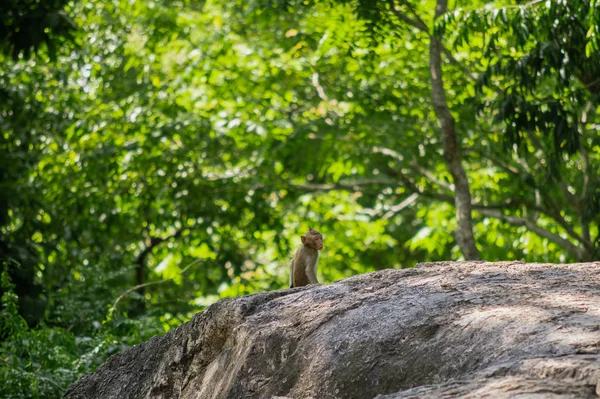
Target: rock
[(440, 330)]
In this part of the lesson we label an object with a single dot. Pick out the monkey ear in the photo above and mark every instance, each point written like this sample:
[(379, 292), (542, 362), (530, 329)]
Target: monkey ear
[(303, 238)]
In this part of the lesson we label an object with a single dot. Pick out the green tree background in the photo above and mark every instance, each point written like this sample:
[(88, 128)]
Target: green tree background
[(158, 155)]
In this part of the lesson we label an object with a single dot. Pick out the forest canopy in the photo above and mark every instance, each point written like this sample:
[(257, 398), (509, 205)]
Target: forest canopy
[(158, 155)]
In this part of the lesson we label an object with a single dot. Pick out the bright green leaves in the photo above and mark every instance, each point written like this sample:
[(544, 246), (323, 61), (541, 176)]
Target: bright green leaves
[(201, 142), (539, 57)]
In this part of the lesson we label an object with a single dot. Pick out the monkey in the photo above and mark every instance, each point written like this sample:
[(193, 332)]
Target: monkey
[(303, 268)]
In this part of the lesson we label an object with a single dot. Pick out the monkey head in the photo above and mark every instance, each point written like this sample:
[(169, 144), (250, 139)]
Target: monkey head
[(313, 239)]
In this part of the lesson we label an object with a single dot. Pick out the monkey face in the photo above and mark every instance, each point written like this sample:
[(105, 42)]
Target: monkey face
[(313, 239), (318, 242)]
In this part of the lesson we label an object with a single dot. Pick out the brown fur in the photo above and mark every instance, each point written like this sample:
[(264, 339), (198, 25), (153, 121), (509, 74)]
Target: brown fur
[(303, 268)]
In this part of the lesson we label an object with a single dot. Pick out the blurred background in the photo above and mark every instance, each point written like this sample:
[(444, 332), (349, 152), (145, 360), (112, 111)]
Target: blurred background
[(158, 155)]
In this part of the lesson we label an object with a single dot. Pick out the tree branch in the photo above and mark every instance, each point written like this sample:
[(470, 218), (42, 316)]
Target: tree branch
[(137, 287), (349, 186), (551, 209), (397, 208), (389, 152), (489, 210), (415, 166), (318, 87), (418, 23), (151, 243), (578, 253), (429, 175)]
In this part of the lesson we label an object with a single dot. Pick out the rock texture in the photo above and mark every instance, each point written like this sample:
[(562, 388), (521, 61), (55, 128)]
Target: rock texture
[(440, 330)]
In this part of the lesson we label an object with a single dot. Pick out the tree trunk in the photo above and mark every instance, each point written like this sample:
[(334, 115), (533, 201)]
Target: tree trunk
[(462, 194)]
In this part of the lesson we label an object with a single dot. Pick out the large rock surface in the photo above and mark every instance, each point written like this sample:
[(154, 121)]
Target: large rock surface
[(440, 330)]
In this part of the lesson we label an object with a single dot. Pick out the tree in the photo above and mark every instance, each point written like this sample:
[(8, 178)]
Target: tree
[(532, 23), (382, 15), (544, 94), (25, 27), (175, 155)]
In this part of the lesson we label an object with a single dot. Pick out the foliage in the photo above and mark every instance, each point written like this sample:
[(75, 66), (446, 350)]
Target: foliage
[(175, 155), (555, 48), (26, 25), (542, 90), (43, 362)]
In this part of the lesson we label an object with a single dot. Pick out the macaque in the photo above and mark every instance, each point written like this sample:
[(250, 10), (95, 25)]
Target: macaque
[(303, 268)]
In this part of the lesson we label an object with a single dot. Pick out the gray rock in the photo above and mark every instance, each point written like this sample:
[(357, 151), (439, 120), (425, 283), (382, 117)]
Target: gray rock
[(440, 330)]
